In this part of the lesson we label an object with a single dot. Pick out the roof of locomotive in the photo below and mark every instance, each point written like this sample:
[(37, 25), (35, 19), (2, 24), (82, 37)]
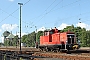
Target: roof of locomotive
[(49, 30), (52, 30), (69, 32)]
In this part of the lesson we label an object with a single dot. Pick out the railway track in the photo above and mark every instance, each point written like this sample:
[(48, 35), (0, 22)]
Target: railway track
[(64, 56), (74, 55), (82, 54)]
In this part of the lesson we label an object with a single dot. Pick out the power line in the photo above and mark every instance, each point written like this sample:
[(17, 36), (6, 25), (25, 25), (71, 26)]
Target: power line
[(69, 18), (50, 5), (42, 14), (26, 2), (12, 12), (67, 5), (53, 8), (9, 15), (61, 7), (50, 10)]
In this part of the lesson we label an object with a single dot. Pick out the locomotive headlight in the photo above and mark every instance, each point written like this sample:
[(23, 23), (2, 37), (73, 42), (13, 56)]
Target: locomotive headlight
[(66, 42)]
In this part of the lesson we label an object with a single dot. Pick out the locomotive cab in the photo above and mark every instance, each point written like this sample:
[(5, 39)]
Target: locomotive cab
[(70, 39), (71, 42)]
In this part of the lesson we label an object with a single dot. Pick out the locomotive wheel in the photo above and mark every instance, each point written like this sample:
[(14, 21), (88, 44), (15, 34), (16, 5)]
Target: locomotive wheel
[(46, 49), (40, 49), (56, 51), (68, 52), (51, 50)]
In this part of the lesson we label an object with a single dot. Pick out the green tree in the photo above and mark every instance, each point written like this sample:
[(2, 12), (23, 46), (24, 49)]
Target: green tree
[(32, 38), (40, 33), (68, 28), (88, 38), (83, 37), (29, 39), (15, 41), (24, 38), (7, 42)]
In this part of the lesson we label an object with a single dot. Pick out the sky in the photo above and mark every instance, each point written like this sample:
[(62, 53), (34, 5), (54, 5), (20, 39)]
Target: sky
[(43, 14)]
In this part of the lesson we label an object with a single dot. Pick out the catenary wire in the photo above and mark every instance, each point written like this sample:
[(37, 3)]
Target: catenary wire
[(56, 9), (12, 12)]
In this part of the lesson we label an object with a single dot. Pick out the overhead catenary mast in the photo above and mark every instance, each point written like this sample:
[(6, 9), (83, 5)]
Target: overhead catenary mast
[(20, 23)]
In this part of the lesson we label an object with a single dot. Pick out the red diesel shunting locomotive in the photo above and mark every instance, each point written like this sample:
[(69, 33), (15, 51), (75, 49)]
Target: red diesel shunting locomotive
[(54, 40)]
